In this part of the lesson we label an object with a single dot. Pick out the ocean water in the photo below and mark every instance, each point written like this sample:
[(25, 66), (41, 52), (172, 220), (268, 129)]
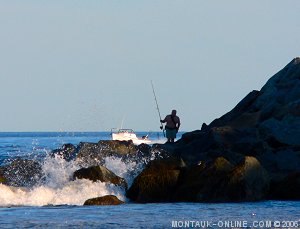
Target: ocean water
[(58, 202)]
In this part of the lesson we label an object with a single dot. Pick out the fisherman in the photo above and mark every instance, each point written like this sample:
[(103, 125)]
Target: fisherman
[(172, 126)]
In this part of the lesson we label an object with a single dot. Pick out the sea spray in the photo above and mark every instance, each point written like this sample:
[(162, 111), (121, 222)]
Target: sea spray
[(57, 171), (127, 170), (72, 193), (57, 187)]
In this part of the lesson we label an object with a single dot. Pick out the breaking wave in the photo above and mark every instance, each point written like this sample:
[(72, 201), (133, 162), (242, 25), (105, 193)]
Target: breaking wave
[(58, 188)]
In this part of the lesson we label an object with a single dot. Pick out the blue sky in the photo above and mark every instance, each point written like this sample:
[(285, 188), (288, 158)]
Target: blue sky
[(87, 65)]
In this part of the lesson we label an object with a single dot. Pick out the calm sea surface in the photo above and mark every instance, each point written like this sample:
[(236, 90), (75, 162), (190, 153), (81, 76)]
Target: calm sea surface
[(58, 202)]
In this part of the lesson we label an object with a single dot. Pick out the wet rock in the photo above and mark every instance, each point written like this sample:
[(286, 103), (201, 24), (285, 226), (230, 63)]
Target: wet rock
[(249, 181), (2, 178), (223, 182), (104, 200), (205, 183), (117, 147), (67, 151), (157, 182), (92, 154), (22, 173), (100, 173)]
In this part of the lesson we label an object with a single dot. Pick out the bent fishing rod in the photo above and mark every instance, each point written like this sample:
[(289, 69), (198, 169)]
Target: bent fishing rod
[(161, 125)]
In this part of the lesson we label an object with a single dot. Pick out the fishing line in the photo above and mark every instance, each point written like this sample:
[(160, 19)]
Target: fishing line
[(161, 125)]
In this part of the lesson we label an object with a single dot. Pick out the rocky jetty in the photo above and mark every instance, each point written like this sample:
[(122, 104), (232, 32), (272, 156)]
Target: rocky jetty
[(251, 153)]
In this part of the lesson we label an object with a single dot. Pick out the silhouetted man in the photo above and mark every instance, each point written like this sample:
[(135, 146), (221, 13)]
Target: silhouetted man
[(172, 125)]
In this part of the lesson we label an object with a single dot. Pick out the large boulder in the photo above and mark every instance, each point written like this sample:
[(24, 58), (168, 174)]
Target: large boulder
[(205, 183), (222, 182), (104, 200), (156, 183), (281, 133), (199, 145), (248, 181), (100, 173)]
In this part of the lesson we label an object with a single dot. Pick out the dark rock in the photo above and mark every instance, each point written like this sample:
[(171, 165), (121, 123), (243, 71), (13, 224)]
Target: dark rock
[(286, 189), (92, 154), (104, 200), (67, 151), (101, 173), (222, 182), (249, 181), (245, 106), (198, 145), (282, 133), (22, 173), (2, 178), (202, 182), (266, 125), (143, 151), (283, 161), (117, 147), (157, 181), (204, 127)]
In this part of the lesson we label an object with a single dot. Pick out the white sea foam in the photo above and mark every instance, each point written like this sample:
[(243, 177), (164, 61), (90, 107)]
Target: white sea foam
[(128, 170), (72, 193), (58, 188), (58, 171)]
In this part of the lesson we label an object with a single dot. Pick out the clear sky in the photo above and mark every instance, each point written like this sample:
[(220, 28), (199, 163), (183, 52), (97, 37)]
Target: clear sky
[(87, 65)]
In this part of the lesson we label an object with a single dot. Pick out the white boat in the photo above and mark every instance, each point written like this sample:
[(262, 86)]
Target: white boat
[(127, 135)]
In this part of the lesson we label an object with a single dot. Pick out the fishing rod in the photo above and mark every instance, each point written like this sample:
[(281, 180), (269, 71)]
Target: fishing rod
[(161, 125)]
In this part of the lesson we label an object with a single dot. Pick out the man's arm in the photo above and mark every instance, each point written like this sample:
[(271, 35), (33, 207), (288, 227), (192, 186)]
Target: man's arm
[(164, 120), (178, 123)]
